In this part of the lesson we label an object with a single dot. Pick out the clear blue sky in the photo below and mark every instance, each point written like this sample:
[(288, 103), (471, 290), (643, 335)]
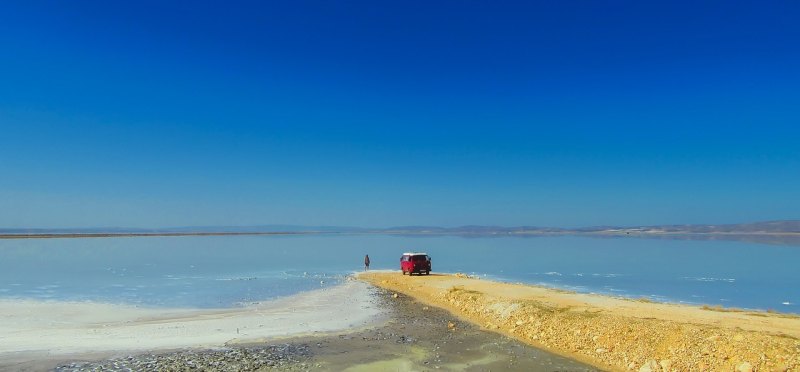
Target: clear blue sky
[(374, 113)]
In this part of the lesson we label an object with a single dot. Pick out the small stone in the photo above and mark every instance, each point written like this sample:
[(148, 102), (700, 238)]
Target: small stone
[(394, 295), (665, 364), (649, 366), (744, 367), (600, 350)]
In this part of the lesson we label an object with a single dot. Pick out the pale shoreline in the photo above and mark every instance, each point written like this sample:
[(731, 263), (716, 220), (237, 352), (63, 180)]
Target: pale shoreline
[(405, 336), (608, 332), (32, 329)]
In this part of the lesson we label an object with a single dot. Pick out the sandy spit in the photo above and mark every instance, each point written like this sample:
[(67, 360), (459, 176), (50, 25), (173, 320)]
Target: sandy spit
[(415, 337), (612, 333)]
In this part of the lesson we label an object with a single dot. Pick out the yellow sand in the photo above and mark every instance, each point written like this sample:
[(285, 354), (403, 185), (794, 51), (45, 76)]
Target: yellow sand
[(612, 333)]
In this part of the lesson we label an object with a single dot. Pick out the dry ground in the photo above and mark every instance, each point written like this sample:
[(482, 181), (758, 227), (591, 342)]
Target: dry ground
[(612, 333)]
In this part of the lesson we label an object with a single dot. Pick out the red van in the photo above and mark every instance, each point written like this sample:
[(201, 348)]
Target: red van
[(415, 263)]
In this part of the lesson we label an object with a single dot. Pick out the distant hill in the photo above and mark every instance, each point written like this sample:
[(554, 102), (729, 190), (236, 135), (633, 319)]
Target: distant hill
[(756, 227), (770, 232), (769, 228)]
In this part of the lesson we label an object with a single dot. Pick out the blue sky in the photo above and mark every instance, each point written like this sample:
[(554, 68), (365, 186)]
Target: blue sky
[(152, 114)]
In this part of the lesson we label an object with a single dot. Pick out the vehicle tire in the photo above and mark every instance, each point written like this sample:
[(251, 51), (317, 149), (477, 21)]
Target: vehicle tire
[(427, 272)]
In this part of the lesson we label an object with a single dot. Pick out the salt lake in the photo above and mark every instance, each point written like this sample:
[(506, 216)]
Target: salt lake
[(228, 271)]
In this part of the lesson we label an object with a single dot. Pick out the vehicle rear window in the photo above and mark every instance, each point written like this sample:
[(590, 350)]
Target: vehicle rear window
[(420, 258)]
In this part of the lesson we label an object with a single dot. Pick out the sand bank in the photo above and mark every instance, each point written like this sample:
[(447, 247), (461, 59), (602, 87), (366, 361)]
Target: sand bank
[(612, 333), (415, 337), (29, 329)]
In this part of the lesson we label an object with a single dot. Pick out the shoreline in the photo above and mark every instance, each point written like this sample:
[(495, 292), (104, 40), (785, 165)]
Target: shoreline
[(144, 234), (608, 332), (348, 321), (32, 329), (646, 298), (615, 233), (405, 336)]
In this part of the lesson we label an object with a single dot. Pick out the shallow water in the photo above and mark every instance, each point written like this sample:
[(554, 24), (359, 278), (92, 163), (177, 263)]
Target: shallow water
[(224, 271)]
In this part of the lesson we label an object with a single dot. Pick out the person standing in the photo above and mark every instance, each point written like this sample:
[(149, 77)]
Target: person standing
[(366, 263)]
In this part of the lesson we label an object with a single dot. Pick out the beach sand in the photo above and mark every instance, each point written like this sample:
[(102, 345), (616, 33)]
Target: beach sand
[(612, 333), (435, 322), (350, 327), (425, 338)]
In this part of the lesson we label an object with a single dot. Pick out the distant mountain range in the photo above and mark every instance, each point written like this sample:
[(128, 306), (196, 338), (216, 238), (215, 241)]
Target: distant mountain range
[(769, 227), (786, 227), (770, 232)]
